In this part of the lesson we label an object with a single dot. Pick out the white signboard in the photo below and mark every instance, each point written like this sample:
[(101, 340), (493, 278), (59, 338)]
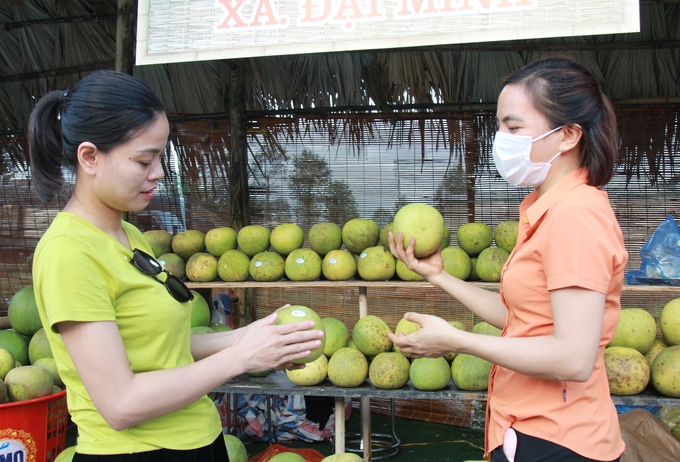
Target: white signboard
[(194, 30)]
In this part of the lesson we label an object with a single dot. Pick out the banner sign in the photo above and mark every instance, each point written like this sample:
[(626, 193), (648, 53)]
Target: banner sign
[(194, 30)]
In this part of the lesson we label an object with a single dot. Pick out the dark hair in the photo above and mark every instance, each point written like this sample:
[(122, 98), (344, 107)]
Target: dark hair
[(106, 108), (566, 93)]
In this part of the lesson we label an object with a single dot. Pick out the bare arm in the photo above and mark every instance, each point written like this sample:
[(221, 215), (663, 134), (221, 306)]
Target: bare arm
[(568, 354), (124, 398), (484, 303)]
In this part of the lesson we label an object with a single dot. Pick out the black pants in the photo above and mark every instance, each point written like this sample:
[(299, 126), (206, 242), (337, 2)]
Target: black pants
[(532, 449), (215, 452)]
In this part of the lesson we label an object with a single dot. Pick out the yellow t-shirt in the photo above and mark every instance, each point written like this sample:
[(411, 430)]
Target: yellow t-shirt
[(82, 274)]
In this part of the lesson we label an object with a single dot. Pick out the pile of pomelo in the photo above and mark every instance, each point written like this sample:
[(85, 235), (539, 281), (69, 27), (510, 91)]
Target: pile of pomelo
[(358, 249), (27, 367)]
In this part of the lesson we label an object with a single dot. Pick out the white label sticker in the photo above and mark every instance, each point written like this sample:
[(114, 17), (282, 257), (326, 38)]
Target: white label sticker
[(363, 255), (258, 263), (333, 261), (300, 260), (298, 313)]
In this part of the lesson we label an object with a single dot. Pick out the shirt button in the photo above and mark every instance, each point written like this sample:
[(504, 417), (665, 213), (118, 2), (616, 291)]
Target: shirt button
[(526, 220)]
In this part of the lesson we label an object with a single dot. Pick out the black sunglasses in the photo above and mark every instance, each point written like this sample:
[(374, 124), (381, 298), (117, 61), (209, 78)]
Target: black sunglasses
[(152, 267)]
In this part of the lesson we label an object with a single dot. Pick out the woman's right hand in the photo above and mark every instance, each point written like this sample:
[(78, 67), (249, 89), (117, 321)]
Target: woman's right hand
[(427, 267)]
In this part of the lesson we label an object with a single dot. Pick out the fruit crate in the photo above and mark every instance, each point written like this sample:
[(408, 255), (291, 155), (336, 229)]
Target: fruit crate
[(34, 430)]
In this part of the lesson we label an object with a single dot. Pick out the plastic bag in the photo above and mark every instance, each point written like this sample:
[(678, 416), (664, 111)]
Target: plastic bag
[(660, 257)]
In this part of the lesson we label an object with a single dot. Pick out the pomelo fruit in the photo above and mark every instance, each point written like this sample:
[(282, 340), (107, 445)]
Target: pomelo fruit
[(200, 310), (16, 344), (201, 330), (233, 266), (339, 265), (347, 368), (666, 372), (174, 264), (266, 267), (39, 347), (23, 312), (636, 329), (3, 393), (236, 450), (657, 347), (456, 262), (51, 365), (376, 264), (337, 335), (422, 222), (7, 363), (458, 325), (188, 242), (287, 457), (324, 237), (253, 239), (489, 264), (286, 237), (345, 457), (314, 373), (470, 372), (628, 372), (406, 274), (302, 265), (217, 327), (385, 235), (159, 240), (389, 370), (219, 240), (406, 327), (473, 271), (670, 322), (446, 240), (505, 234), (66, 455), (485, 328), (359, 234), (430, 374), (370, 335), (474, 237), (28, 382), (201, 267), (297, 313)]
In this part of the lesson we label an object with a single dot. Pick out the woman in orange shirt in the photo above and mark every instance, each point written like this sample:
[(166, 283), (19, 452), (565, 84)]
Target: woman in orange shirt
[(559, 299)]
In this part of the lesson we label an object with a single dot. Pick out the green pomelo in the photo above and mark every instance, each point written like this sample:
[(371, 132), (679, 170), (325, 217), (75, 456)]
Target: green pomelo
[(359, 234), (485, 328), (385, 235), (666, 372), (7, 362), (303, 265), (188, 242), (370, 335), (347, 368), (200, 310), (23, 312), (422, 222), (66, 455), (657, 347), (3, 393), (470, 372), (406, 327), (219, 240), (217, 327), (505, 234), (314, 373), (670, 322), (473, 271), (174, 264), (201, 330), (628, 372), (339, 265), (324, 237), (389, 370), (446, 240), (51, 366), (457, 262), (287, 237), (201, 267), (16, 344), (406, 274), (376, 264), (236, 450), (458, 325), (28, 382), (636, 329), (233, 266), (345, 457), (266, 267), (39, 347), (159, 240), (430, 374), (287, 457), (489, 265), (474, 237), (337, 335), (676, 432), (253, 239), (298, 313)]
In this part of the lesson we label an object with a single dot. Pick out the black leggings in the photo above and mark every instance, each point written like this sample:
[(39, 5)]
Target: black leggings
[(215, 452), (532, 449)]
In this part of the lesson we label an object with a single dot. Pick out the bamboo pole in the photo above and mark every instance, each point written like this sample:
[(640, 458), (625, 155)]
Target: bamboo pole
[(125, 36), (238, 152)]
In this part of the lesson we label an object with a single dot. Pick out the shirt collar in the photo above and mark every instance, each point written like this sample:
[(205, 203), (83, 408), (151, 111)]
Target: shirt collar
[(533, 207)]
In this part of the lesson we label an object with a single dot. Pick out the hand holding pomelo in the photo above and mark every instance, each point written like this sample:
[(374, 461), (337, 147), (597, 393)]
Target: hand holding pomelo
[(298, 313), (422, 222)]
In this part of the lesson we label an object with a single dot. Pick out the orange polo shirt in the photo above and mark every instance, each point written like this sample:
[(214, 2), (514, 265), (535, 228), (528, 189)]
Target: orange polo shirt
[(569, 237)]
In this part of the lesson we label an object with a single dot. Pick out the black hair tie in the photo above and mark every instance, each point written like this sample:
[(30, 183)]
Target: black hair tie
[(64, 95)]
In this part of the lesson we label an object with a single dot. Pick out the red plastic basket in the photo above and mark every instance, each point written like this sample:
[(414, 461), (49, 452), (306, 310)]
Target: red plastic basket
[(34, 430)]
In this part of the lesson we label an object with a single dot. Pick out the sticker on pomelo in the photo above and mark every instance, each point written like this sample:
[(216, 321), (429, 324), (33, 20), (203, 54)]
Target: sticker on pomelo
[(298, 313), (333, 261), (17, 445), (300, 260), (258, 263), (363, 255)]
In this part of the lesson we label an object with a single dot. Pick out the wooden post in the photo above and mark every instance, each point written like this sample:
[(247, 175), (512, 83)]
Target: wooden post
[(238, 151), (125, 36)]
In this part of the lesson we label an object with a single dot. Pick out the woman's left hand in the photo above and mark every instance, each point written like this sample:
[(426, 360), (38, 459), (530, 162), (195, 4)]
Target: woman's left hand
[(435, 338)]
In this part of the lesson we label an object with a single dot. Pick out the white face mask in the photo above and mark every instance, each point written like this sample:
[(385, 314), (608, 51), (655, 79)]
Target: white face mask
[(512, 155)]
